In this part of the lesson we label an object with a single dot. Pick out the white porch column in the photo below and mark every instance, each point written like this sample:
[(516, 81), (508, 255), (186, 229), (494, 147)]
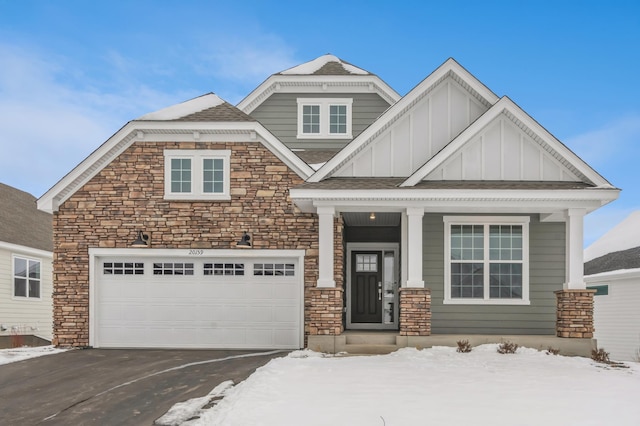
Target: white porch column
[(414, 247), (325, 247), (574, 252)]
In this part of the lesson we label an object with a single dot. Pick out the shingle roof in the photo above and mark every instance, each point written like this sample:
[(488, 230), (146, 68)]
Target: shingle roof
[(21, 222), (222, 112), (624, 259), (393, 183), (325, 65), (315, 157)]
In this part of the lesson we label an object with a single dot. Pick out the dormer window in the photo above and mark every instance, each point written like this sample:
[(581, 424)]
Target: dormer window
[(324, 118)]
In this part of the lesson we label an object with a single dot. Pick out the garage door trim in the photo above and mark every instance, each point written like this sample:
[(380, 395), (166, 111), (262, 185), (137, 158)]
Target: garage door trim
[(96, 254)]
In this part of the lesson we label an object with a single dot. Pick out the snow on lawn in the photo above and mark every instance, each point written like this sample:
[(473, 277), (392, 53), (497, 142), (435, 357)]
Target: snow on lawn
[(19, 354), (435, 386)]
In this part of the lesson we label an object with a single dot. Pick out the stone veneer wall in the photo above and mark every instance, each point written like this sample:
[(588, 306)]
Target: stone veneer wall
[(323, 306), (127, 196), (415, 311), (574, 313)]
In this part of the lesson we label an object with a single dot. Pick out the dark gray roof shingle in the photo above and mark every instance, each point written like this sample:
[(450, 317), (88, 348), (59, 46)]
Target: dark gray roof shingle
[(222, 112), (624, 259), (21, 222), (315, 157)]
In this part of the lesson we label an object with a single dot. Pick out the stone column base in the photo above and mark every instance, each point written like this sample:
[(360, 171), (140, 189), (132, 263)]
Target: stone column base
[(323, 311), (415, 311), (574, 314)]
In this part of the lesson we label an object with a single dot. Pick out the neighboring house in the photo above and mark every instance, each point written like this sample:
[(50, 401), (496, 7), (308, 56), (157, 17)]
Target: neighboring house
[(446, 212), (26, 279), (613, 269)]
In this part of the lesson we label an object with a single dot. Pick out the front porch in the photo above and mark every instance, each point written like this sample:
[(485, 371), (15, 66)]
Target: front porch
[(383, 342)]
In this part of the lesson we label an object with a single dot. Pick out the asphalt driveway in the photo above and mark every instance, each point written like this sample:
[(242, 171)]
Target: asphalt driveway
[(113, 386)]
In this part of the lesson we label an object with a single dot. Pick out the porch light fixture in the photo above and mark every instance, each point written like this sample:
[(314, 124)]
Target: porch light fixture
[(245, 240), (141, 240), (372, 216)]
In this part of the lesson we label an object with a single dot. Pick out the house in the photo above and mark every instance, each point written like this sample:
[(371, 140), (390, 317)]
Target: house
[(26, 279), (327, 211), (612, 268)]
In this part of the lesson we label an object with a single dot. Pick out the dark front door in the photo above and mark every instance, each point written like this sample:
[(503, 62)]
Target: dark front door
[(366, 287)]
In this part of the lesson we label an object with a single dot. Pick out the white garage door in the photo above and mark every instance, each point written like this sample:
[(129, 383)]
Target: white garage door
[(204, 302)]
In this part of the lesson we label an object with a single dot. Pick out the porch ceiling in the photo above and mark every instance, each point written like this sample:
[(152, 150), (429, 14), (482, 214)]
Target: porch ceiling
[(365, 219)]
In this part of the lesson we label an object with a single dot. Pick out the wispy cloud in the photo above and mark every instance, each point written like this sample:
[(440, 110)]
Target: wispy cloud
[(599, 146), (52, 116)]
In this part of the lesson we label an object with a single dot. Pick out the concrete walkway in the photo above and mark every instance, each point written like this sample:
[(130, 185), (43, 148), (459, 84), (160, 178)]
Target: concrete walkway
[(115, 387)]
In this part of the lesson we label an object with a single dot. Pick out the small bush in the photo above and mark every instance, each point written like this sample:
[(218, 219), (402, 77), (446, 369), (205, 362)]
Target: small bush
[(507, 348), (552, 351), (463, 346), (600, 355)]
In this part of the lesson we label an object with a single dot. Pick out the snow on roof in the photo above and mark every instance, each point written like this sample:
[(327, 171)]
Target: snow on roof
[(312, 66), (623, 236), (177, 111)]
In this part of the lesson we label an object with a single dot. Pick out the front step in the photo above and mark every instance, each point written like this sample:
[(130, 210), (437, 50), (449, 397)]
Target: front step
[(368, 343), (364, 349)]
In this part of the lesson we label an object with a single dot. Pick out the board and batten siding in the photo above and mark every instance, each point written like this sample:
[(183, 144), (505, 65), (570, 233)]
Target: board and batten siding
[(279, 114), (546, 275), (417, 134), (32, 316)]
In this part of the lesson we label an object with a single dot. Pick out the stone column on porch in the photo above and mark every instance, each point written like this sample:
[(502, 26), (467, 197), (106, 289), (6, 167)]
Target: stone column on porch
[(574, 303), (415, 311), (415, 299), (575, 313)]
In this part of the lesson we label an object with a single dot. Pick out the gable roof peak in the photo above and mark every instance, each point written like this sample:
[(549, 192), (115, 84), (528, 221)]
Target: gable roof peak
[(177, 111), (325, 65)]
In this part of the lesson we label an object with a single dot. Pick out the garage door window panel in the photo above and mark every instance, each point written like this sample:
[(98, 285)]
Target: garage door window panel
[(122, 268), (274, 269), (223, 269), (169, 268)]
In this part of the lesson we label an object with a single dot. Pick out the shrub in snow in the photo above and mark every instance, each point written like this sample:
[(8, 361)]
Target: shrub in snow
[(552, 351), (600, 355), (463, 346), (507, 348)]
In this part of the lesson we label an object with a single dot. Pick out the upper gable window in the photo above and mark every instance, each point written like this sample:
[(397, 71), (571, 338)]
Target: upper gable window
[(326, 118), (196, 174)]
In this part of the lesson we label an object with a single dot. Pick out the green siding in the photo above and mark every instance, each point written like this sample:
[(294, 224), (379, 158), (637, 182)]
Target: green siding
[(279, 114), (546, 275)]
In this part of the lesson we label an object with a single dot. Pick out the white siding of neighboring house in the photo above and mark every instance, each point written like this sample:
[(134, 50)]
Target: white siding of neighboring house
[(29, 317), (616, 315)]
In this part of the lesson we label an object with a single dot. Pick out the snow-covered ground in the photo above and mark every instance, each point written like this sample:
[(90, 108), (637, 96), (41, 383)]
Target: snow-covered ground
[(18, 354), (435, 386)]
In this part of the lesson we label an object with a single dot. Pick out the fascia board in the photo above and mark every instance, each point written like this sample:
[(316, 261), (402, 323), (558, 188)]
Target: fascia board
[(24, 249), (50, 201), (396, 109), (617, 275), (589, 195), (248, 104)]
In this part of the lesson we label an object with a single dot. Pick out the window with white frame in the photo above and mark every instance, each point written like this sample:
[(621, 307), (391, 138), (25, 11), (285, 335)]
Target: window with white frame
[(196, 174), (26, 277), (486, 260), (327, 118)]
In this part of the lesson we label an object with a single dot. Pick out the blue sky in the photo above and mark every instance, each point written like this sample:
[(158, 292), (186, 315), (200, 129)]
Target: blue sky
[(73, 72)]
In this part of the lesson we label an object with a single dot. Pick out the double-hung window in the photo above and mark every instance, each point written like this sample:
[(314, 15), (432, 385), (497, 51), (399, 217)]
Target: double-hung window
[(196, 174), (26, 278), (326, 118), (486, 260)]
